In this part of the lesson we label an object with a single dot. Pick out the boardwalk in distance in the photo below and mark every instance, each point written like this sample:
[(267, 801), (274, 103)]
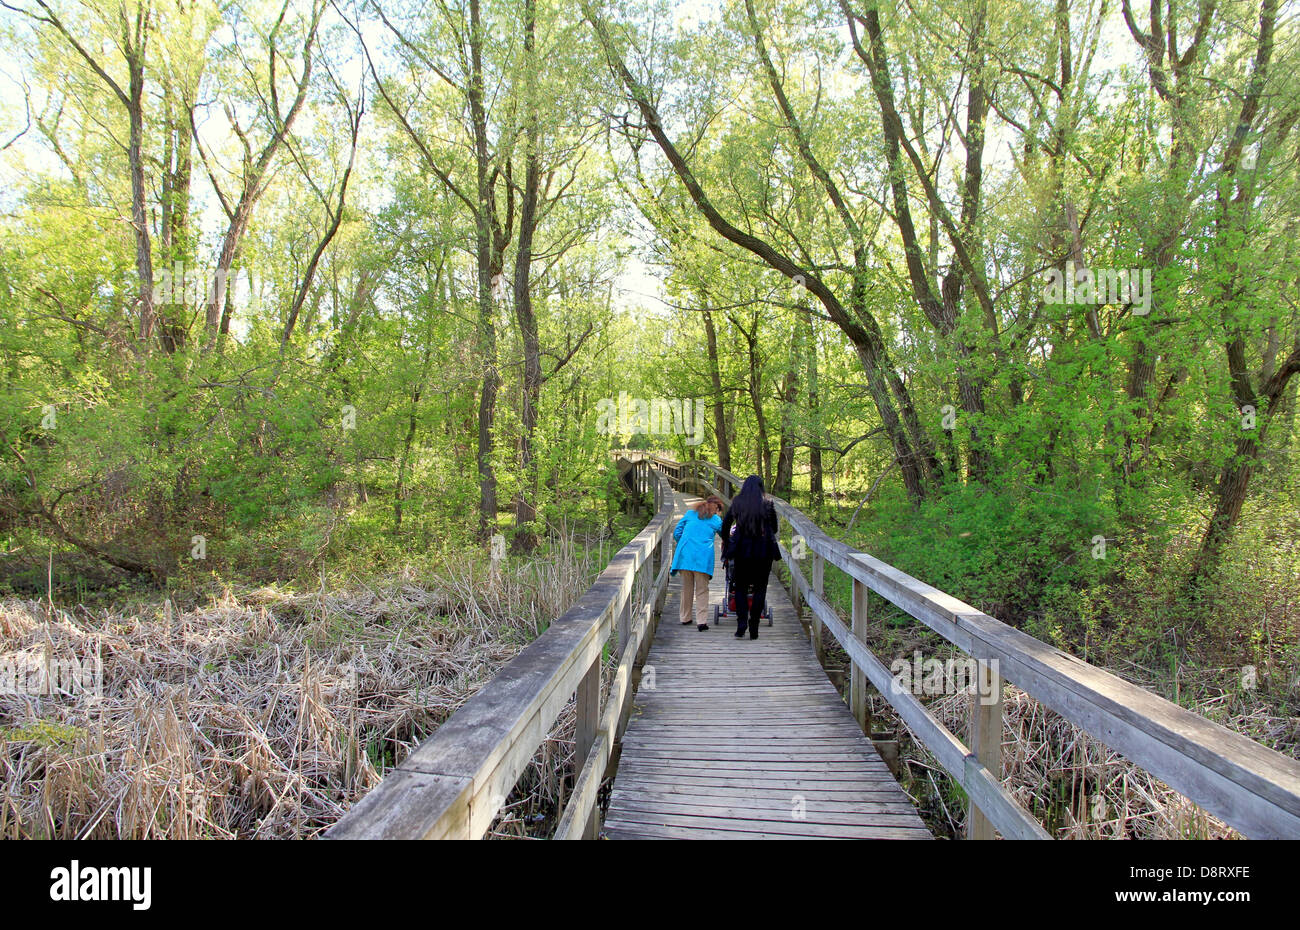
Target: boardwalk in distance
[(748, 739)]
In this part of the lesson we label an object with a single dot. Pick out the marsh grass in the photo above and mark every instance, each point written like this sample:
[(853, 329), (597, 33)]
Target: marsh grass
[(263, 712)]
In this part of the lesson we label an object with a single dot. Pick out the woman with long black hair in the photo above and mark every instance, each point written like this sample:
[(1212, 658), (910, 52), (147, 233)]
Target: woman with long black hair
[(752, 547)]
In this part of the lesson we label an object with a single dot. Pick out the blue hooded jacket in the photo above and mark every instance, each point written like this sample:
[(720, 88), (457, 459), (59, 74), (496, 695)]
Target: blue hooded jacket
[(694, 538)]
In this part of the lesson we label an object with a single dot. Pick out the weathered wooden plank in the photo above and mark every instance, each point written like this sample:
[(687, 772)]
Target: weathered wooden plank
[(795, 743), (587, 710), (851, 769), (752, 752), (798, 812), (764, 808), (858, 678), (818, 583), (826, 802), (810, 713), (785, 730), (875, 790), (723, 776), (813, 768), (719, 827), (578, 820), (986, 744), (415, 807)]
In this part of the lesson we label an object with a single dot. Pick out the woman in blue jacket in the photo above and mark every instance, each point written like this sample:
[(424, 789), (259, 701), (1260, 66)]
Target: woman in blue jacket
[(693, 557)]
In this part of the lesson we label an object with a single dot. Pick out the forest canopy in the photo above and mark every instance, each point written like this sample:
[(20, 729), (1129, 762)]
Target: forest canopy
[(1007, 291)]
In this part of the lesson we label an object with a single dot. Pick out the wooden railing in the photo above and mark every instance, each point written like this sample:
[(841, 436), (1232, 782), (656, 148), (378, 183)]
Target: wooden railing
[(1250, 787), (454, 783), (673, 470)]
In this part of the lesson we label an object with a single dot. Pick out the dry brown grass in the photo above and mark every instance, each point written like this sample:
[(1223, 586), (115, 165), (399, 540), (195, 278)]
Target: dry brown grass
[(1079, 787), (263, 713)]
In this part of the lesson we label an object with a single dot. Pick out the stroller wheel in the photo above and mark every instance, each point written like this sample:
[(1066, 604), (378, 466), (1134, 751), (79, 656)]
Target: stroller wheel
[(717, 612)]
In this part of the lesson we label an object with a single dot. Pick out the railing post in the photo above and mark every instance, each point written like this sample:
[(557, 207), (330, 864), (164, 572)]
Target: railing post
[(985, 740), (652, 620), (624, 625), (819, 573), (588, 708), (661, 595), (796, 590), (655, 559), (858, 678)]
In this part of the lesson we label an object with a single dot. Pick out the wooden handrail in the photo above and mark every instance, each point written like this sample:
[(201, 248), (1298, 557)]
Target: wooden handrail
[(454, 783), (1249, 786)]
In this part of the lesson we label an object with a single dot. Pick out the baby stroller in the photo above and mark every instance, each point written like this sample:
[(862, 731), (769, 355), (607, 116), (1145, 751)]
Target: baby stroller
[(728, 606)]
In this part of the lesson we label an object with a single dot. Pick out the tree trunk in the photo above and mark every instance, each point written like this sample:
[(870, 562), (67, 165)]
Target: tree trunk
[(720, 425), (488, 266), (134, 46), (525, 508), (816, 489), (783, 483), (762, 448), (1233, 219), (175, 245), (399, 491)]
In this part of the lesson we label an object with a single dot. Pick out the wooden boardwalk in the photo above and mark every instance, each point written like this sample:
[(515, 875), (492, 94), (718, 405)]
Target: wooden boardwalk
[(747, 739), (743, 739)]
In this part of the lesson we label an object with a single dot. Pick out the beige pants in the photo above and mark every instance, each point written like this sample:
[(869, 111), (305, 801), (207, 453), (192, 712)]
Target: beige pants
[(695, 589)]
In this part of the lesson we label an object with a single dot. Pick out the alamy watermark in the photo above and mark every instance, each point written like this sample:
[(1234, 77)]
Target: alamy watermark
[(1115, 286), (929, 677), (660, 416), (179, 285), (75, 882), (46, 676)]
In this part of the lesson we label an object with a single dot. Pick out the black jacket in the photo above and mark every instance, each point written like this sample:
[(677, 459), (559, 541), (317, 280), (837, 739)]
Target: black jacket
[(749, 547)]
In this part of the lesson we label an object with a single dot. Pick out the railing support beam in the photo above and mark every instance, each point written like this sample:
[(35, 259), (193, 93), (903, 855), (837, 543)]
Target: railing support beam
[(985, 740), (858, 679), (588, 708), (818, 580)]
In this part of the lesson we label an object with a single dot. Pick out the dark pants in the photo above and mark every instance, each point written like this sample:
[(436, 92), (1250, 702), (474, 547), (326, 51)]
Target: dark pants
[(750, 576)]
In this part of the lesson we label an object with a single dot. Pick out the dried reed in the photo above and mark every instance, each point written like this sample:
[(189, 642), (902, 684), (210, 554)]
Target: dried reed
[(264, 713)]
